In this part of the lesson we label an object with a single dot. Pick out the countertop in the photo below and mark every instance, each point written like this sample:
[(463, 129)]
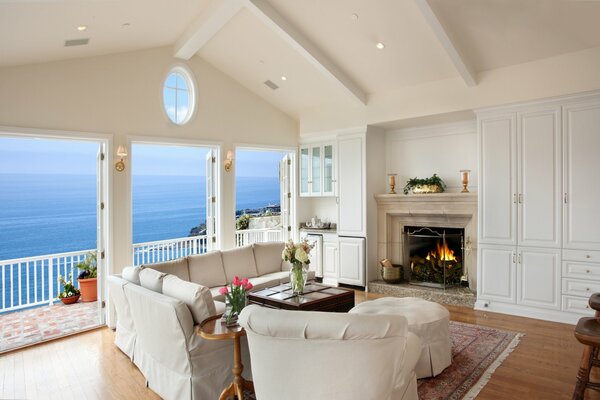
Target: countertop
[(317, 230)]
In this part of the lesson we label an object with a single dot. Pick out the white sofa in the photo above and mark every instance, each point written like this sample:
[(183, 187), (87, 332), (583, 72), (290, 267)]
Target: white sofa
[(317, 355), (156, 307)]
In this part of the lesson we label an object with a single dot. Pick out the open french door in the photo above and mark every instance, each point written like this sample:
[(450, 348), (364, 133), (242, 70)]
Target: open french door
[(285, 190), (211, 201), (101, 217)]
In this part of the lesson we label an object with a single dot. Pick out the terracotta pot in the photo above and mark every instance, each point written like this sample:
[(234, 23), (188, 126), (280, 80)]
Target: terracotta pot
[(70, 300), (89, 289)]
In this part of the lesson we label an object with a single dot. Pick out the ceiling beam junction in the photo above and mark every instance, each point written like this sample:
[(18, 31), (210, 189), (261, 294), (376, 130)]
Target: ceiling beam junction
[(465, 71)]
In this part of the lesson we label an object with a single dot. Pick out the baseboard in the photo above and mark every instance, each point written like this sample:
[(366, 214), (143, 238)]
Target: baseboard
[(528, 312)]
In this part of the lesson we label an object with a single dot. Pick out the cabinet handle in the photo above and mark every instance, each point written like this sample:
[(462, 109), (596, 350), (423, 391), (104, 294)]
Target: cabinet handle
[(514, 258), (588, 256), (515, 198), (519, 259), (587, 289), (587, 271), (520, 198), (565, 198)]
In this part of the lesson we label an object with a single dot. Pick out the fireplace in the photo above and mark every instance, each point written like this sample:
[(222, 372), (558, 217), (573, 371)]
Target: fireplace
[(433, 256)]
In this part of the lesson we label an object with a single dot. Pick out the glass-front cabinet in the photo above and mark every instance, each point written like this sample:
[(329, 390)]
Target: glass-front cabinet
[(317, 171)]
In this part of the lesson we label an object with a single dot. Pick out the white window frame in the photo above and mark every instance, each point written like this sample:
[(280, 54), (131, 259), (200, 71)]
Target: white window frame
[(188, 77)]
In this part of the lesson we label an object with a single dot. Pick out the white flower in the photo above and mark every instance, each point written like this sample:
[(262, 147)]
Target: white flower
[(301, 255)]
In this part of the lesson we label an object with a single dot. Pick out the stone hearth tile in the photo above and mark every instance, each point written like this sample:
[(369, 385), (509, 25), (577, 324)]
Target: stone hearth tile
[(457, 296)]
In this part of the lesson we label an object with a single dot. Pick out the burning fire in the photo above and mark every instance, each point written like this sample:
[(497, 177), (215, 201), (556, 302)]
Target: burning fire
[(442, 253)]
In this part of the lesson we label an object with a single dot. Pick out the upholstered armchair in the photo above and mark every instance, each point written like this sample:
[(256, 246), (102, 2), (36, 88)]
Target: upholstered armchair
[(317, 355)]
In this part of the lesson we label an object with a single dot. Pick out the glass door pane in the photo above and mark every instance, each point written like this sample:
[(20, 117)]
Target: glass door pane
[(303, 170), (328, 169), (316, 170)]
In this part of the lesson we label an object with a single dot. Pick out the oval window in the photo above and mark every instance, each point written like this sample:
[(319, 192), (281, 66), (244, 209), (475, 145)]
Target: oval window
[(179, 96)]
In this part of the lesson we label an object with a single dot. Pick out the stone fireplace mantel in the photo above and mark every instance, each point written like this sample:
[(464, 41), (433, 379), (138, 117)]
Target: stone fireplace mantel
[(451, 210)]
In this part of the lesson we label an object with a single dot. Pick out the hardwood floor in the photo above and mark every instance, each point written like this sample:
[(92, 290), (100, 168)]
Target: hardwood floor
[(89, 365)]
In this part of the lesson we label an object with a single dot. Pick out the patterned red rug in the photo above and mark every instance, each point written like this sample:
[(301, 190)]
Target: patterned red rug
[(476, 353)]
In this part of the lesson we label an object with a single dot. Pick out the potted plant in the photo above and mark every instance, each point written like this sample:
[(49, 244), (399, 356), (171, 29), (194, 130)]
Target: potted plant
[(435, 184), (70, 293), (88, 277)]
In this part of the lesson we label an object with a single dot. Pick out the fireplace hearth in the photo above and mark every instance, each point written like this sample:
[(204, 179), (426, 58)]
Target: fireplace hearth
[(434, 256)]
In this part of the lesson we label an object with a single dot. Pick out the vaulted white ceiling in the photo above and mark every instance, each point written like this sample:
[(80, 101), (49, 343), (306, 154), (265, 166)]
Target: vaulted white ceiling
[(325, 48)]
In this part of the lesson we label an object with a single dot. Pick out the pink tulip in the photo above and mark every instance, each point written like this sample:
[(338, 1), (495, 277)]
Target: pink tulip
[(249, 286), (224, 290), (236, 281), (244, 281)]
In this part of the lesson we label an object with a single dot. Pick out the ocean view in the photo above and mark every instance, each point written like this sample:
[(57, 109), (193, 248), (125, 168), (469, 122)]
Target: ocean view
[(55, 213)]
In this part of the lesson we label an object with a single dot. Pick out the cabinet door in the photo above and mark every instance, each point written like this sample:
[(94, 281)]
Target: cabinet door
[(304, 189), (351, 185), (538, 277), (352, 261), (315, 170), (581, 145), (330, 260), (496, 279), (539, 170), (328, 170), (497, 185)]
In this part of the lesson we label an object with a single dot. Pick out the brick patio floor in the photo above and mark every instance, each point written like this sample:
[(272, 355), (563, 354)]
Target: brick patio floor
[(26, 327)]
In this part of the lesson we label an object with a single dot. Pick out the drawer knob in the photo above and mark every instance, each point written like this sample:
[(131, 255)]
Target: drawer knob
[(587, 289), (588, 256), (587, 271)]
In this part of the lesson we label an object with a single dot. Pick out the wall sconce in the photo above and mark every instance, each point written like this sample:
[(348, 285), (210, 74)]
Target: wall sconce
[(122, 153), (229, 160)]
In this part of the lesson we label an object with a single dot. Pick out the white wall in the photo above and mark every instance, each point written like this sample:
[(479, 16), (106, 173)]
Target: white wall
[(121, 95), (441, 149), (324, 208)]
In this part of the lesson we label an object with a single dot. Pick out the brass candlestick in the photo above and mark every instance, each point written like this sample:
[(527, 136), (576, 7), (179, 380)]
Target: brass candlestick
[(464, 173), (392, 183)]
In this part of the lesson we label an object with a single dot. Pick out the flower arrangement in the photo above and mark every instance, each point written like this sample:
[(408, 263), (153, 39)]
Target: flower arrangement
[(69, 290), (235, 294), (298, 254)]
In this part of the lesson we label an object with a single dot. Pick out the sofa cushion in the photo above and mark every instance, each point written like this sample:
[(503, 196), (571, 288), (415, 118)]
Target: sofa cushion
[(268, 257), (178, 267), (197, 297), (151, 279), (131, 274), (207, 269), (239, 262)]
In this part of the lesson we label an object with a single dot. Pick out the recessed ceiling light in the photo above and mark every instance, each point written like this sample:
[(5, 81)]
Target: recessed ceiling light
[(354, 17), (82, 28), (284, 78), (380, 45)]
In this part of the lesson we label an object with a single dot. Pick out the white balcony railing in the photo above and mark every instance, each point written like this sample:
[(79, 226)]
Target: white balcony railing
[(249, 236), (166, 250), (33, 281)]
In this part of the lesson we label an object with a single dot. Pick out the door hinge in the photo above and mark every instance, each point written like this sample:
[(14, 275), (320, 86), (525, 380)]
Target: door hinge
[(289, 195), (214, 239), (101, 156), (214, 159), (289, 162), (103, 304), (102, 255), (289, 228), (102, 205), (213, 199)]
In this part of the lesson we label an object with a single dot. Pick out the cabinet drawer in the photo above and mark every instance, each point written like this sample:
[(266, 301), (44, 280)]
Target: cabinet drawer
[(582, 255), (576, 287), (577, 305), (572, 269)]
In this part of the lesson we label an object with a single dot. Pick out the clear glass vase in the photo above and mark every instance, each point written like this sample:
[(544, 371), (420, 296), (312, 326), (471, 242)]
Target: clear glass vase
[(298, 277), (233, 310)]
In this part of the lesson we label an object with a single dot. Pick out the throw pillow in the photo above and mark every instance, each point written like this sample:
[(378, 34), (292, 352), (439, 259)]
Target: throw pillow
[(151, 279), (131, 274), (197, 297)]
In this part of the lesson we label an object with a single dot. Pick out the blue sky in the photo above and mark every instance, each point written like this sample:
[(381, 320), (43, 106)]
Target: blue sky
[(43, 156)]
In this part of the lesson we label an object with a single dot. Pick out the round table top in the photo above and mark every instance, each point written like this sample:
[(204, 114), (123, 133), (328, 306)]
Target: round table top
[(214, 328)]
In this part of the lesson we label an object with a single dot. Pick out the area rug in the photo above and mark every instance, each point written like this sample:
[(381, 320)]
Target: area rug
[(35, 325), (476, 353)]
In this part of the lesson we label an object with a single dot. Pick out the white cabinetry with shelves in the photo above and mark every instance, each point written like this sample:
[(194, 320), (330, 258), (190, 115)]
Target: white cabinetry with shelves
[(317, 170), (330, 259), (538, 208)]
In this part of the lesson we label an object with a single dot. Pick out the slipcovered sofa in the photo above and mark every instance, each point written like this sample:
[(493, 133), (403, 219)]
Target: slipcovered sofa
[(317, 355), (157, 306)]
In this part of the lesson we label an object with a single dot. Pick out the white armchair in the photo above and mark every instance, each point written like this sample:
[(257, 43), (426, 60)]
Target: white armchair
[(317, 355)]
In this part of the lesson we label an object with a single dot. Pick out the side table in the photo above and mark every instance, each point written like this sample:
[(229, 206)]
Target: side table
[(213, 329)]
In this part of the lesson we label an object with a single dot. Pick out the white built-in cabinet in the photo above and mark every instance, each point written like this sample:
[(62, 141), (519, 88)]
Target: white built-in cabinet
[(330, 259), (317, 170), (352, 185), (352, 261), (538, 208)]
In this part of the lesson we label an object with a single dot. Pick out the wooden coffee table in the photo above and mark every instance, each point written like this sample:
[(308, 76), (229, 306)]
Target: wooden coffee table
[(214, 329), (315, 298)]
